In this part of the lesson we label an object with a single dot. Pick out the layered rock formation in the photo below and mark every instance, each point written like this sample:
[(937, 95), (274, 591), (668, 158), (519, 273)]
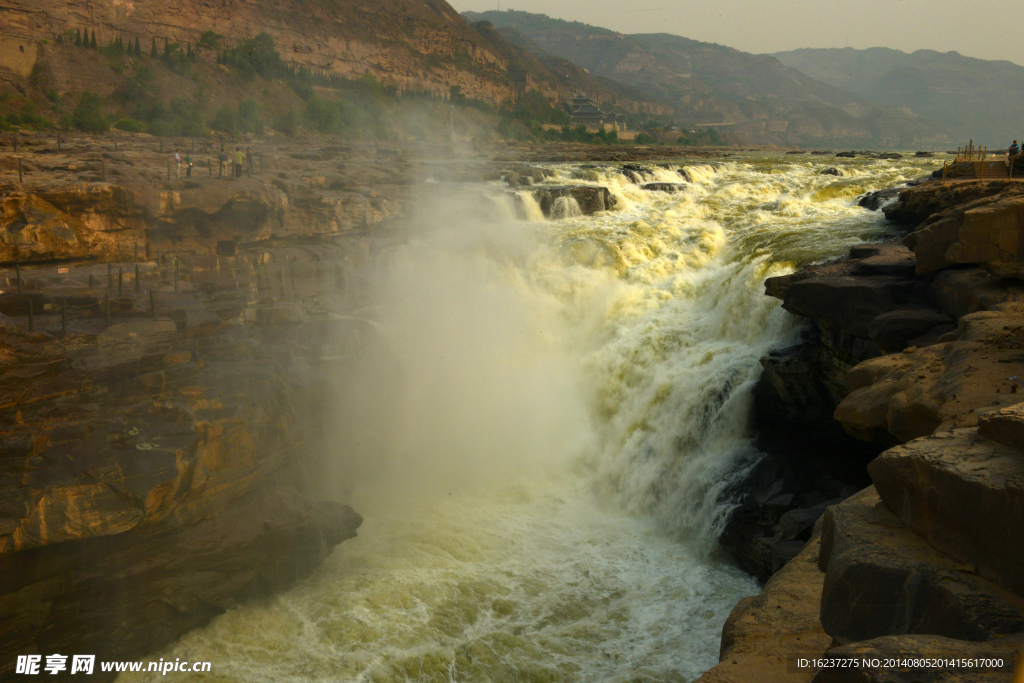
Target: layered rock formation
[(921, 350), (162, 417)]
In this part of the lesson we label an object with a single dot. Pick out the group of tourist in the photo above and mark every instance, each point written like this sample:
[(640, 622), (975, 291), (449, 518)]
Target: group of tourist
[(242, 161)]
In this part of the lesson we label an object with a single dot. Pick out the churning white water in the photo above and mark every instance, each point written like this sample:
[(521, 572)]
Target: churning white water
[(543, 434)]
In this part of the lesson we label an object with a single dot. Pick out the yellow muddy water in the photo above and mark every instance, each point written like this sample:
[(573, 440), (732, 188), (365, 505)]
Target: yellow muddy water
[(543, 430)]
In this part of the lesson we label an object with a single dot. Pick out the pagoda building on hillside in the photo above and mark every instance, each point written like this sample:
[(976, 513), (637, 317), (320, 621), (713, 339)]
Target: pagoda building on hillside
[(585, 112)]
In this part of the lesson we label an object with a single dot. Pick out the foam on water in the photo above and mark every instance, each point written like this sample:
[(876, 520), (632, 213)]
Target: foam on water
[(544, 441)]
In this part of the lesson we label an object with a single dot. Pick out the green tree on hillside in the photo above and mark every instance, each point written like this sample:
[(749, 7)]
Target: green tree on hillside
[(210, 40), (92, 43), (88, 114), (153, 52)]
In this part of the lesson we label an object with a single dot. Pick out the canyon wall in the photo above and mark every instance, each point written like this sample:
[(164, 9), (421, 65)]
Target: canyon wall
[(167, 353), (916, 348)]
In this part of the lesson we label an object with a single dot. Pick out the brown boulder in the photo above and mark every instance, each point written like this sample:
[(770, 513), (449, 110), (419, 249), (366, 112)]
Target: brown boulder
[(908, 395), (1004, 425), (965, 495), (921, 201), (883, 579), (988, 231)]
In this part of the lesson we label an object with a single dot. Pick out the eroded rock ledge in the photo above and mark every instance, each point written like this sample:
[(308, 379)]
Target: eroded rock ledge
[(159, 421), (917, 348)]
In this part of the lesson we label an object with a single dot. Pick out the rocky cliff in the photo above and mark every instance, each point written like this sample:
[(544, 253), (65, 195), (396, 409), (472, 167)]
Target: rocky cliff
[(918, 348), (166, 349)]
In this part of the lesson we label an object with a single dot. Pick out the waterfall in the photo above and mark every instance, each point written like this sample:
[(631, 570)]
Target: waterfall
[(565, 207), (542, 434)]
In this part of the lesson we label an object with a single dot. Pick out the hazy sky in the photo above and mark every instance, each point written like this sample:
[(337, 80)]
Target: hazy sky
[(989, 29)]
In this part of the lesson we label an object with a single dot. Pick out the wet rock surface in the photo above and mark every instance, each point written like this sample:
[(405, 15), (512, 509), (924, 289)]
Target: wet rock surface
[(589, 199)]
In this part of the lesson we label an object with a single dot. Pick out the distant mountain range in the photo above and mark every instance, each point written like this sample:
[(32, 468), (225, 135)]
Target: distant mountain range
[(756, 98), (978, 98)]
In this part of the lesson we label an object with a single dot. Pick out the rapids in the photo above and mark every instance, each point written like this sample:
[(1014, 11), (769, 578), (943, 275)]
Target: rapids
[(543, 432)]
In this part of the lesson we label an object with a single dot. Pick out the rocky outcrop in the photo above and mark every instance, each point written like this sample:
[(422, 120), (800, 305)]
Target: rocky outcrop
[(986, 231), (949, 487), (922, 561), (917, 203), (908, 395), (151, 470), (159, 417), (71, 215), (883, 579), (861, 307)]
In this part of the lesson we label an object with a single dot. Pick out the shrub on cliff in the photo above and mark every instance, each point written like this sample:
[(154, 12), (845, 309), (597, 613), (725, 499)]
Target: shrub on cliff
[(88, 114), (256, 56), (181, 117), (130, 125), (225, 121), (287, 123)]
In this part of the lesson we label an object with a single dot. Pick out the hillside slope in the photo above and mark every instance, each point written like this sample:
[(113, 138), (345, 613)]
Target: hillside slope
[(976, 96), (754, 97), (414, 44)]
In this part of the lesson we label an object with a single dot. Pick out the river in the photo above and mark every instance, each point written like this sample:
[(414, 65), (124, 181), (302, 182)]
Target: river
[(543, 429)]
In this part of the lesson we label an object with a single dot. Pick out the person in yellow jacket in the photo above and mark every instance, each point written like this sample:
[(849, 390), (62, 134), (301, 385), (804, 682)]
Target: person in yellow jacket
[(239, 160)]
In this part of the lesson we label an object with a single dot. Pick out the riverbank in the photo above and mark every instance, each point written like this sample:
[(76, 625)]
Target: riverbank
[(919, 344)]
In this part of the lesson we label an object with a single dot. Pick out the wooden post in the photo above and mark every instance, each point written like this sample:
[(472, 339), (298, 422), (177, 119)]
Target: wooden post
[(137, 276), (110, 276), (17, 268), (175, 275), (31, 318), (152, 303), (136, 252), (106, 308), (90, 280), (115, 145), (944, 172), (120, 282), (21, 179)]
